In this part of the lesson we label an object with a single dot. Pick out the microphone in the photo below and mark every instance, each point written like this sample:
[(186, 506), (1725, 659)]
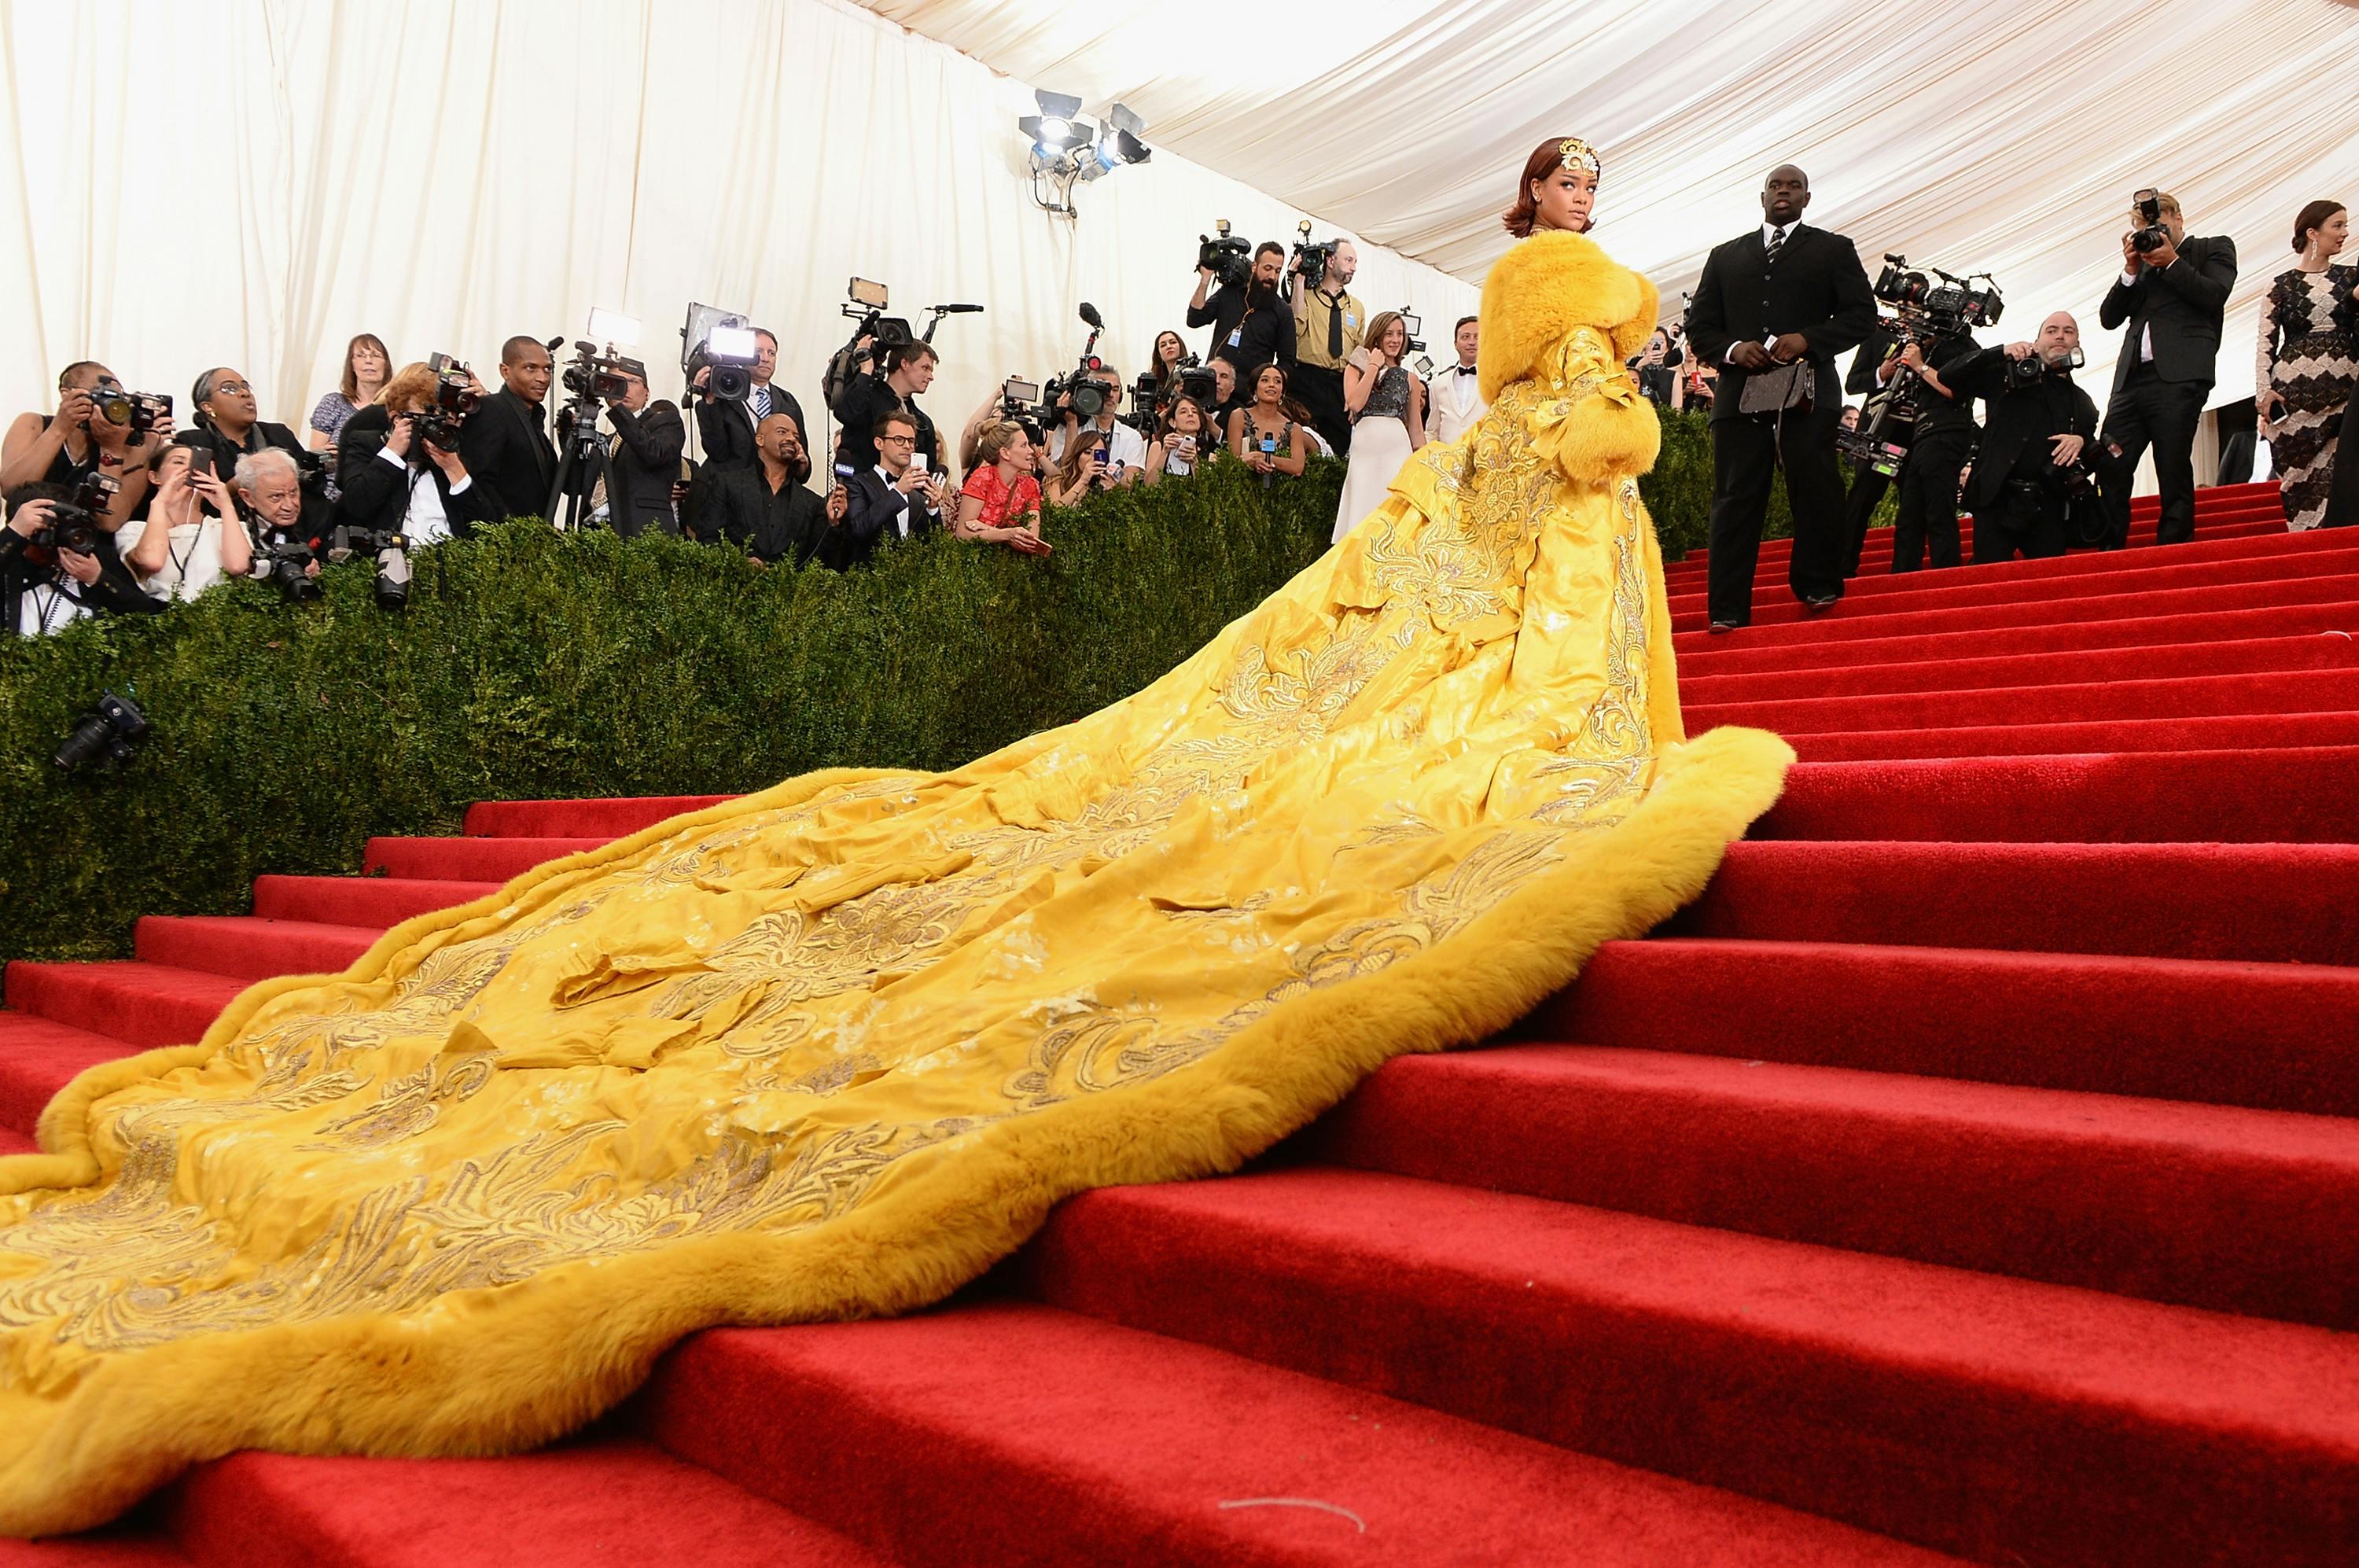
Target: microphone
[(958, 309), (1090, 316), (556, 342)]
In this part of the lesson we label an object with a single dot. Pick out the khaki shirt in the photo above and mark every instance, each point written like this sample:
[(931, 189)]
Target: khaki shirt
[(1310, 327)]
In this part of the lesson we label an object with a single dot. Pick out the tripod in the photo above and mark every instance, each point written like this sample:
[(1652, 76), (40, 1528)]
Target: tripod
[(581, 471)]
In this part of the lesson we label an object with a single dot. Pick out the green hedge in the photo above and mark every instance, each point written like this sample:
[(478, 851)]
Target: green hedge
[(533, 664)]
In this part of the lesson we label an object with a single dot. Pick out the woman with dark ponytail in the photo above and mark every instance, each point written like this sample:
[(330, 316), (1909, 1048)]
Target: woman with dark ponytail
[(2303, 379)]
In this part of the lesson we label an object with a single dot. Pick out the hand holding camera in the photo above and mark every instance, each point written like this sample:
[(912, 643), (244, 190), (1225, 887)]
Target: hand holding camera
[(2067, 449), (397, 439), (31, 518)]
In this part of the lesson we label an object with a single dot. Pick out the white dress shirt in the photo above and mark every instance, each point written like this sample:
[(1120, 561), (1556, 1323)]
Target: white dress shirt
[(425, 522), (1456, 405)]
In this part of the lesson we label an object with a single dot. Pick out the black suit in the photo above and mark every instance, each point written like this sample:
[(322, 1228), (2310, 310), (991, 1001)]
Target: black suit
[(727, 428), (875, 516), (865, 400), (1818, 289), (645, 466), (787, 524), (115, 593), (507, 451), (2014, 493), (2160, 401), (375, 495)]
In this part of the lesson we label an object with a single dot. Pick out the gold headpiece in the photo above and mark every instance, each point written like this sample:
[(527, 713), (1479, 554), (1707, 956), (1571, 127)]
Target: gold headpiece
[(1578, 154)]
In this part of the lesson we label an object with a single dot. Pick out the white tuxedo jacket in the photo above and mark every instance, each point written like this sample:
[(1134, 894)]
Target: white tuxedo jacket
[(1455, 404)]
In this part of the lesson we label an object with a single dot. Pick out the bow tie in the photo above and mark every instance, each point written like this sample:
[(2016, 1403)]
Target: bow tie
[(1464, 369)]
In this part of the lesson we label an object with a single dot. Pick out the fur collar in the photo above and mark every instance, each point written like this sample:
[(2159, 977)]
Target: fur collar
[(1547, 286)]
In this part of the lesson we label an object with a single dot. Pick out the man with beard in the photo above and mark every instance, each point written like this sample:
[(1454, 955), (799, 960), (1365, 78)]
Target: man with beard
[(767, 509), (2039, 427), (1253, 324), (1330, 324)]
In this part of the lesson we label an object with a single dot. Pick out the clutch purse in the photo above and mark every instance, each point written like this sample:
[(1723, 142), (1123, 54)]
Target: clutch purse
[(1777, 390)]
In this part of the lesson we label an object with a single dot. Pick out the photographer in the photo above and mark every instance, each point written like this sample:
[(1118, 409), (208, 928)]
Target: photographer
[(192, 537), (2173, 292), (229, 426), (505, 444), (393, 481), (1330, 326), (44, 587), (898, 498), (769, 512), (1183, 441), (1170, 356), (2041, 427), (60, 449), (1657, 368), (1252, 323), (643, 460), (1124, 448), (1226, 397), (727, 426), (1943, 439), (868, 400), (269, 484)]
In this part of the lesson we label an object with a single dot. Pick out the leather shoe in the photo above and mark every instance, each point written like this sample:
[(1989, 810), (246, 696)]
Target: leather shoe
[(1822, 603), (1717, 627)]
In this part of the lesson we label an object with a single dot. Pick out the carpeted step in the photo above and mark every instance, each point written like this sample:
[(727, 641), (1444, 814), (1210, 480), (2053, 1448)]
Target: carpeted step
[(2293, 903), (244, 948), (135, 1545), (604, 819), (1875, 560), (381, 902), (2191, 696), (2307, 795), (1729, 656), (2333, 650), (40, 1056), (2257, 732), (2270, 1036), (2000, 1419), (143, 1004), (1824, 639), (1976, 587), (498, 860), (997, 1434), (2236, 1210), (618, 1500)]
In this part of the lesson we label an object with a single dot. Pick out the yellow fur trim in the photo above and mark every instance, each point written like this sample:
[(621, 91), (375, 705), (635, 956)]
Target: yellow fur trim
[(1547, 286), (571, 1342)]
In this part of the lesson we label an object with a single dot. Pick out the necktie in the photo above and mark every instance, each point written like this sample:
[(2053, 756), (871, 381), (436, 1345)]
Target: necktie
[(1335, 328), (1776, 243), (761, 404), (1463, 369)]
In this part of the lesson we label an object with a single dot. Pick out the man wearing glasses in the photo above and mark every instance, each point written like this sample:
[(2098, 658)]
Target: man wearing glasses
[(895, 499)]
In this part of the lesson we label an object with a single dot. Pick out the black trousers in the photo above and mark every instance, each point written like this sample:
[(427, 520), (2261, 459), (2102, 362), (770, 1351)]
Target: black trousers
[(1321, 392), (1929, 499), (1868, 489), (2343, 496), (2150, 411), (2025, 521), (1746, 452)]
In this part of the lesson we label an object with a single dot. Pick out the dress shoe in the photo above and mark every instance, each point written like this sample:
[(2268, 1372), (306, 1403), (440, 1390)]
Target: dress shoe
[(1820, 604), (1717, 627)]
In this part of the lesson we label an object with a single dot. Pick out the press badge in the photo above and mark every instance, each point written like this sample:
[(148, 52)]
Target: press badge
[(1236, 337)]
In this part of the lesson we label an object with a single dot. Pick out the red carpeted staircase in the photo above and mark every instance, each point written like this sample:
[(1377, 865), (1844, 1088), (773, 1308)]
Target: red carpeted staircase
[(1972, 1172)]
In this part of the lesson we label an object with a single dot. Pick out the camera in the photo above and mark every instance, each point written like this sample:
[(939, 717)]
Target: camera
[(284, 562), (142, 411), (1924, 303), (723, 342), (1088, 385), (112, 727), (1150, 400), (1020, 400), (2029, 370), (1229, 257), (391, 548), (74, 524), (1312, 260), (600, 378), (1411, 324), (2149, 235), (447, 410)]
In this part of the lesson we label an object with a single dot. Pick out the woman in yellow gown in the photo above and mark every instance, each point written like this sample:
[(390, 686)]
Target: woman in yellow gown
[(833, 1049)]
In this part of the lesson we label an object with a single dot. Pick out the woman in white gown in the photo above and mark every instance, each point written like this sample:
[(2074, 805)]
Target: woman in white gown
[(1387, 409)]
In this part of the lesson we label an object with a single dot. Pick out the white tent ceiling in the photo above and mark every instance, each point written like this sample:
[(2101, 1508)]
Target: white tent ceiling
[(2005, 136)]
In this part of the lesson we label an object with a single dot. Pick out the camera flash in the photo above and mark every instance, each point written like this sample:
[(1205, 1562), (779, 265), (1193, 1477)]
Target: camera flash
[(737, 342), (614, 327)]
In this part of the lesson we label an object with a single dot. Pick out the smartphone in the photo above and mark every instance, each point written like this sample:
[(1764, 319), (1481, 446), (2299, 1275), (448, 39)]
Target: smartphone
[(918, 460), (200, 462), (1098, 456)]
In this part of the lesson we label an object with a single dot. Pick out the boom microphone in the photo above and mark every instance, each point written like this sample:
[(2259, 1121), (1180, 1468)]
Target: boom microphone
[(958, 309), (1090, 316)]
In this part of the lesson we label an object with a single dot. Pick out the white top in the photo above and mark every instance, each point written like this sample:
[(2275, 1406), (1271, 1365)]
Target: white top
[(44, 607), (193, 557), (1125, 448), (425, 522)]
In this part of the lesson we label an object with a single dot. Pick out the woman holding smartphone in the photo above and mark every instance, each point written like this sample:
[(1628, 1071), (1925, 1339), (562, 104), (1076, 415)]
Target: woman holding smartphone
[(1267, 434), (1184, 441), (189, 540), (1083, 469)]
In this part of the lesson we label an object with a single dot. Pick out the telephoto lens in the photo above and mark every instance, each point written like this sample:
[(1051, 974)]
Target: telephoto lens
[(111, 729)]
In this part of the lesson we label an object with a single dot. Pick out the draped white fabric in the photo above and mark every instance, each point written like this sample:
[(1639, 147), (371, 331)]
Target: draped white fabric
[(249, 182), (2005, 136)]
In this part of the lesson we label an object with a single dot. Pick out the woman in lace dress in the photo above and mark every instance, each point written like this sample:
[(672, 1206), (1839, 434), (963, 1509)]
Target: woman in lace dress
[(2306, 369), (1387, 409)]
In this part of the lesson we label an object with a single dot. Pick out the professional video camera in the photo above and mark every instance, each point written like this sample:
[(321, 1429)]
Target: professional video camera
[(723, 342), (112, 727), (74, 524), (599, 376), (1229, 258), (886, 335), (2149, 235), (448, 408), (1088, 385), (1922, 304), (1020, 400), (1151, 400), (1412, 323), (142, 411), (1311, 260)]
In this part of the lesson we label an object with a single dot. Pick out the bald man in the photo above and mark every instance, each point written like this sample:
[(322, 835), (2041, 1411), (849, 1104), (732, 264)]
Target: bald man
[(505, 443), (2029, 490), (1781, 295), (765, 508)]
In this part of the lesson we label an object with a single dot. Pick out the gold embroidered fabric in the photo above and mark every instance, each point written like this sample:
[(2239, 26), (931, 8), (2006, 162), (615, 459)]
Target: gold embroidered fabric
[(831, 1049)]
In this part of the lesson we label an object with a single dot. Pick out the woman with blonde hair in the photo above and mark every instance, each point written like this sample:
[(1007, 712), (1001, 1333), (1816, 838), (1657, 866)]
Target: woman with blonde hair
[(1000, 503)]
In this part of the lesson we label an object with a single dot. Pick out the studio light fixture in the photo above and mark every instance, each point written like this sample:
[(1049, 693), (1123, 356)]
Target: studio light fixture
[(1066, 149)]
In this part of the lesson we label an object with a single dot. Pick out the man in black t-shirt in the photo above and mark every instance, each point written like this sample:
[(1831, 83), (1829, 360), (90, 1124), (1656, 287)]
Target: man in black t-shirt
[(1252, 325)]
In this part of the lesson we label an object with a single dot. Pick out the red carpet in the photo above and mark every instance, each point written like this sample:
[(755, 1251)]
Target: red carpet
[(1972, 1172)]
